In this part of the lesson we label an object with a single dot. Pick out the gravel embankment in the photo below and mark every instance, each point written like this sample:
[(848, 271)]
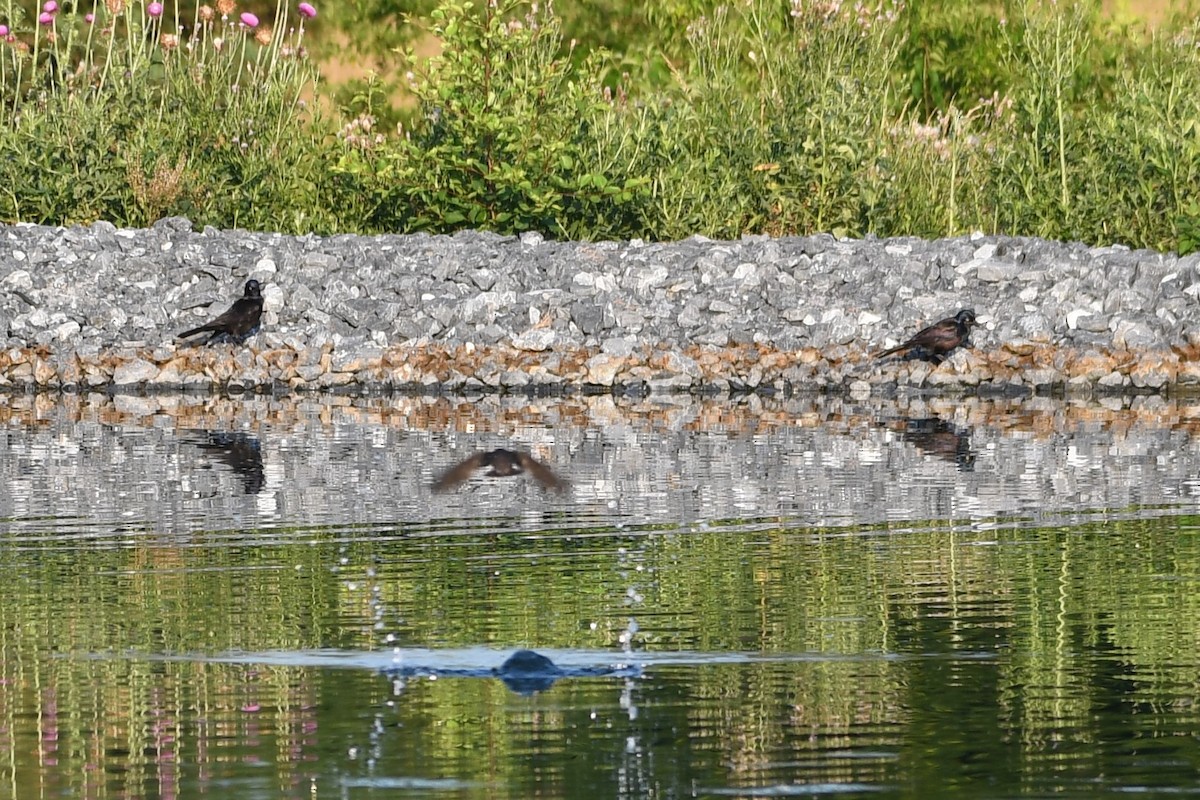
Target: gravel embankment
[(99, 307)]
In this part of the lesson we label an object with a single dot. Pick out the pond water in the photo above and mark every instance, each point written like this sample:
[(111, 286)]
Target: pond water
[(264, 597)]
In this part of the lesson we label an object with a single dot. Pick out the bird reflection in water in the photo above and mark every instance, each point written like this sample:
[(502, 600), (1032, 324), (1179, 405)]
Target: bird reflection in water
[(936, 437), (502, 463), (241, 452)]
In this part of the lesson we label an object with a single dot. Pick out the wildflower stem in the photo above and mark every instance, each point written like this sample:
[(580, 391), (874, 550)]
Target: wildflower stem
[(112, 36), (1060, 78)]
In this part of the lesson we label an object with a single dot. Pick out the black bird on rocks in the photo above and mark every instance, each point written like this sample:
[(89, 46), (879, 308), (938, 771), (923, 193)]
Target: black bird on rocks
[(936, 341), (503, 464), (239, 323)]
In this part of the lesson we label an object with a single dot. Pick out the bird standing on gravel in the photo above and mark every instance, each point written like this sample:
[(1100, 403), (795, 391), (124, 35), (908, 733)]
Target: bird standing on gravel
[(503, 463), (936, 341), (239, 323)]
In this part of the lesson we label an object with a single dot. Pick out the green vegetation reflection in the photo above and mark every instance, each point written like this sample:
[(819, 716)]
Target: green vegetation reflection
[(1025, 632)]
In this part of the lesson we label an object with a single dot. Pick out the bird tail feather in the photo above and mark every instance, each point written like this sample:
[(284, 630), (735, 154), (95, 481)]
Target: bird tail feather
[(894, 350)]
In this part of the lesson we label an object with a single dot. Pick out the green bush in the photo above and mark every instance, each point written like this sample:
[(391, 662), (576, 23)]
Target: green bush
[(763, 116), (119, 117), (499, 143)]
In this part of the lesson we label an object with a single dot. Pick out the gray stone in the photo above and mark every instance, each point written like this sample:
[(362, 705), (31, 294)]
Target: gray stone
[(588, 316), (535, 339), (483, 279), (1112, 379), (133, 372), (994, 272), (602, 369), (1134, 335), (619, 345), (74, 289), (684, 365)]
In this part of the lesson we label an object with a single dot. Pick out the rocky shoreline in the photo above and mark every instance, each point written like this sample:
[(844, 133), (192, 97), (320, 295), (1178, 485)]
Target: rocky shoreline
[(89, 308)]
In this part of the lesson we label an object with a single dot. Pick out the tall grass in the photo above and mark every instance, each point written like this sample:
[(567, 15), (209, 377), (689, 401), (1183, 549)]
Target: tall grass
[(133, 112), (780, 118)]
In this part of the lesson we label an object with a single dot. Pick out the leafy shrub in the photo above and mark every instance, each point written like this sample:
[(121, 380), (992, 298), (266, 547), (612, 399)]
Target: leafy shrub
[(772, 117), (499, 142), (117, 116)]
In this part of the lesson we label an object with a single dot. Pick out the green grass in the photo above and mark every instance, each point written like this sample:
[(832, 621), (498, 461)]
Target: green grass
[(761, 116)]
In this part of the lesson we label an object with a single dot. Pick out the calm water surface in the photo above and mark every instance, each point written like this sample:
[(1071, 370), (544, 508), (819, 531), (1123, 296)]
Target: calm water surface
[(260, 598)]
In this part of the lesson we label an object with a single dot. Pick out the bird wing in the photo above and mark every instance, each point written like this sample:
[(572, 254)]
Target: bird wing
[(543, 474), (237, 319), (458, 473)]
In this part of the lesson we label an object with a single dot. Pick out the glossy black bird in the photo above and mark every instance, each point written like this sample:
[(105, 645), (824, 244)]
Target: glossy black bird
[(503, 463), (239, 323), (936, 341)]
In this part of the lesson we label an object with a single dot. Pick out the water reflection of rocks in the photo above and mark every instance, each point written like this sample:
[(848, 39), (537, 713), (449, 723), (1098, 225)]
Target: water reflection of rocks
[(676, 461)]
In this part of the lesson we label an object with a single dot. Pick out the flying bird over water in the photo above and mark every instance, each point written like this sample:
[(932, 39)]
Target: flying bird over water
[(936, 341), (239, 323), (503, 463)]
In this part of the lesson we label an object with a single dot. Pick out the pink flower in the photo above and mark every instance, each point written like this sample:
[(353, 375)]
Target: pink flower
[(89, 18), (249, 20), (154, 9), (50, 6), (45, 18), (3, 31), (307, 10)]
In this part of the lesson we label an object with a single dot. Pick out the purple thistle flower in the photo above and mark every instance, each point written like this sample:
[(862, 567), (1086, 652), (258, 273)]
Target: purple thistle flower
[(249, 20), (307, 10), (3, 30), (45, 18), (155, 9), (50, 6), (89, 18)]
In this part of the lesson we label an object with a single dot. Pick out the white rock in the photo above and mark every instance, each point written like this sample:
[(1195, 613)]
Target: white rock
[(535, 339), (18, 278), (136, 371), (272, 298), (1074, 316)]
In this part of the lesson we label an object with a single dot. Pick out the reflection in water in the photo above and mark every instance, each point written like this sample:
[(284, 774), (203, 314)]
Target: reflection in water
[(239, 451), (937, 437), (1016, 615), (674, 461), (501, 463)]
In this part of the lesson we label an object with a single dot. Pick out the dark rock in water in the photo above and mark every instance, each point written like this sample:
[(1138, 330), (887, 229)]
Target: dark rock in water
[(527, 661), (524, 672), (528, 672)]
